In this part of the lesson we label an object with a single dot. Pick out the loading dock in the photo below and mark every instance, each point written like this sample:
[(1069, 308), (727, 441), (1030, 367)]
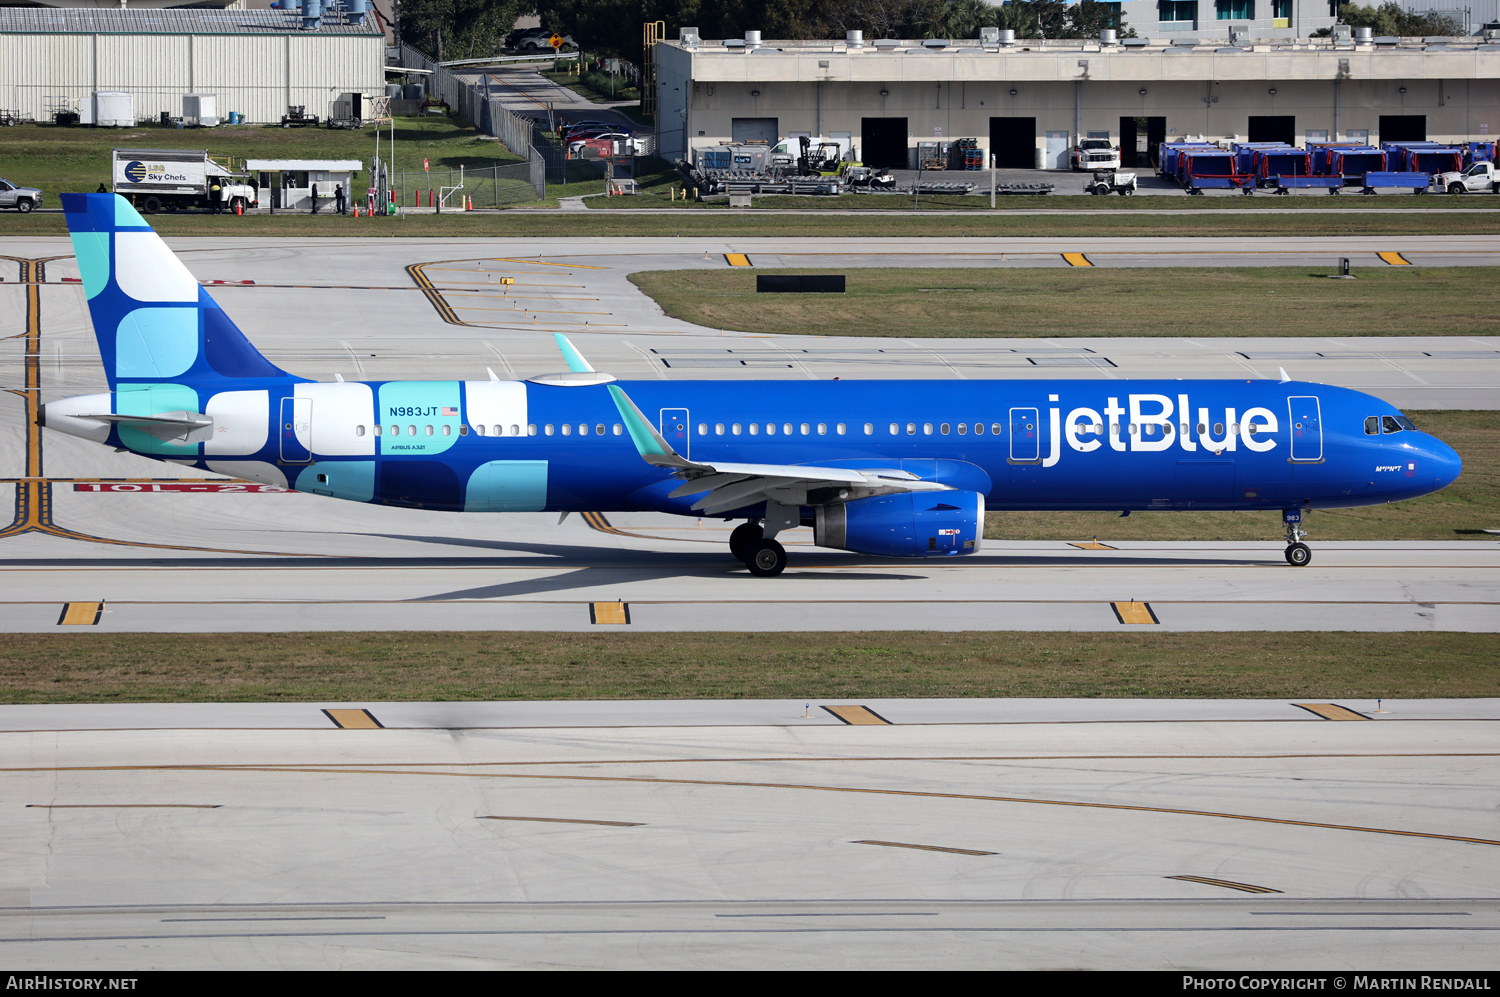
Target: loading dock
[(1013, 143), (755, 130), (1139, 136), (1403, 128), (1274, 128), (883, 143)]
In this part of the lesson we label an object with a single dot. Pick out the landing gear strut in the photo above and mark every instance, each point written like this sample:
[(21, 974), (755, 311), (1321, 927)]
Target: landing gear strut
[(755, 542), (1298, 554)]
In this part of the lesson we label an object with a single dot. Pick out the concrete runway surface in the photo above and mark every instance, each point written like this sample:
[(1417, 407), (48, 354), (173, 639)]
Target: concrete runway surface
[(153, 548), (985, 834)]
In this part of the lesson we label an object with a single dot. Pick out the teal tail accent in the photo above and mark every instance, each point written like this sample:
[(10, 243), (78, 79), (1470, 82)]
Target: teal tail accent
[(154, 323)]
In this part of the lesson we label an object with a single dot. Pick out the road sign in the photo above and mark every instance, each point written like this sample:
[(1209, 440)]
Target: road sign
[(556, 41)]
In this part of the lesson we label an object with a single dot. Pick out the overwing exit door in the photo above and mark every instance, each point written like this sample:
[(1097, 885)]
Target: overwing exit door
[(674, 429), (296, 426)]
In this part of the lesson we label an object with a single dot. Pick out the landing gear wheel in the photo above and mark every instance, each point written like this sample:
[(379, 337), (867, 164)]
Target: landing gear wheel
[(766, 559), (743, 540), (1298, 555)]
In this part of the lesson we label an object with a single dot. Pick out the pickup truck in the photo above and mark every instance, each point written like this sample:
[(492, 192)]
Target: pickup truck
[(1481, 178), (23, 199)]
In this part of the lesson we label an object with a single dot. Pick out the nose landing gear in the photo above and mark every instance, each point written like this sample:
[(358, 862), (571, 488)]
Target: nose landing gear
[(1298, 554)]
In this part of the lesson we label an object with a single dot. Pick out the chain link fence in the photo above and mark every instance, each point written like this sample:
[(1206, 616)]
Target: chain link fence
[(488, 187)]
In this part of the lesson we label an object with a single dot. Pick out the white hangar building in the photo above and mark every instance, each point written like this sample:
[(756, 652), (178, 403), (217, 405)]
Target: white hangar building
[(1028, 102), (256, 62)]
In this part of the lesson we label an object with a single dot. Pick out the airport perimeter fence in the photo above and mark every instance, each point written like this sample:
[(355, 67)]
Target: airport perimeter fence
[(485, 113)]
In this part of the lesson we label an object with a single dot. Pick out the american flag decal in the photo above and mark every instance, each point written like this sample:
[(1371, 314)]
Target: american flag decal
[(449, 411)]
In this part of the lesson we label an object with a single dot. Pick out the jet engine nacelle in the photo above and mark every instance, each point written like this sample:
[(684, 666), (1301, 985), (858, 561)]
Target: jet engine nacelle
[(908, 524)]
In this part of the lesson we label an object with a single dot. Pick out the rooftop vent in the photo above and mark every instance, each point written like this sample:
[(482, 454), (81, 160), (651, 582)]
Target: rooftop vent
[(989, 37), (689, 37), (1107, 36), (1007, 37), (1363, 36), (752, 39), (854, 38), (935, 43)]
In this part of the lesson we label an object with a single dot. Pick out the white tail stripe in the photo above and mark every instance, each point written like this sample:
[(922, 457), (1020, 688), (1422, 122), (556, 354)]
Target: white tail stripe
[(147, 270)]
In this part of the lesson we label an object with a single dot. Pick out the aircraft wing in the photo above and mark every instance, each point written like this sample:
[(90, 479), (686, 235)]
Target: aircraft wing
[(732, 485)]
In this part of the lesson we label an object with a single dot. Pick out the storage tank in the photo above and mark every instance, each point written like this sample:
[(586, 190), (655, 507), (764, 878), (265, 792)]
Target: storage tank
[(416, 91), (114, 109), (393, 91)]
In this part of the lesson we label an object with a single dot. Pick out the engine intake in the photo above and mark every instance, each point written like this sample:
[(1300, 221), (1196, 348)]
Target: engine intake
[(909, 524)]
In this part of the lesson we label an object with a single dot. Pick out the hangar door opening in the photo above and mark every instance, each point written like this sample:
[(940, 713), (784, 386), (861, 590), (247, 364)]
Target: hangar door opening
[(1140, 138), (883, 143), (1013, 143), (1403, 128), (1274, 128), (755, 130)]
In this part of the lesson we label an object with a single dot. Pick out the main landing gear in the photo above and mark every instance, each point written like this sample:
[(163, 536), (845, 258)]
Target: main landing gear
[(761, 553), (1298, 554), (763, 557)]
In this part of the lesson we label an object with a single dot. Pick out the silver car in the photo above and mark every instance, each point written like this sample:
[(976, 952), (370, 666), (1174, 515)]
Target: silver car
[(23, 199)]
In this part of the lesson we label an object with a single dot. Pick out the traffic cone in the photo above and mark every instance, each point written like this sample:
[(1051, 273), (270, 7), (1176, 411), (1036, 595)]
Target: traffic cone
[(356, 211), (239, 208), (468, 203)]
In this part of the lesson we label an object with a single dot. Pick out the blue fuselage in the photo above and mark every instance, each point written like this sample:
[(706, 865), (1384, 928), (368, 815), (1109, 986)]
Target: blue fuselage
[(1021, 444)]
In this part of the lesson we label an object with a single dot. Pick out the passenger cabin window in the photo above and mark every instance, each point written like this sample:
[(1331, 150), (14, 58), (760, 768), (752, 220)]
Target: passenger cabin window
[(994, 429), (463, 430), (963, 427), (869, 429), (359, 430), (531, 429), (1372, 425), (702, 429)]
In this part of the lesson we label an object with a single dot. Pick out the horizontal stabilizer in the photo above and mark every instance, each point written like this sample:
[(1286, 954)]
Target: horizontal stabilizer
[(167, 426)]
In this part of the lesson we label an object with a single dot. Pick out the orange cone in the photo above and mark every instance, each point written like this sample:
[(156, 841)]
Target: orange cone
[(468, 203), (239, 208)]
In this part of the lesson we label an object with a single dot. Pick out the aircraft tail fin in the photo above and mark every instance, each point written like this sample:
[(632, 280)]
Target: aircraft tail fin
[(155, 324)]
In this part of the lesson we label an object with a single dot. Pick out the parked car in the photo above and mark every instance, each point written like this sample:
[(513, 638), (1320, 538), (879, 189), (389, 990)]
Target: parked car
[(1095, 154), (536, 40), (619, 144), (23, 199), (576, 129)]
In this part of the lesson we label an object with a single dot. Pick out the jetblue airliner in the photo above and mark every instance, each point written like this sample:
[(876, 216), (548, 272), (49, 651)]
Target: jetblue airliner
[(892, 468)]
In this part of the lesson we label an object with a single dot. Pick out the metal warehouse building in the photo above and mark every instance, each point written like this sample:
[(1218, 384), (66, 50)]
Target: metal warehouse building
[(255, 61), (1028, 102)]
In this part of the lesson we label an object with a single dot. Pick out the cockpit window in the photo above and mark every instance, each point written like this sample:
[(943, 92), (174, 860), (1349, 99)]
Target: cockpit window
[(1372, 425), (1396, 424)]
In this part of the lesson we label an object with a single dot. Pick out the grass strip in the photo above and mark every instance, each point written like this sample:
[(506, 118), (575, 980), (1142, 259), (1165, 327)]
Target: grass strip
[(529, 222), (1462, 511), (1091, 302), (375, 667)]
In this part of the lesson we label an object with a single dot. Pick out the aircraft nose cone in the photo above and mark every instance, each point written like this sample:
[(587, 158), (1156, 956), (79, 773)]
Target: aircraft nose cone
[(1446, 464)]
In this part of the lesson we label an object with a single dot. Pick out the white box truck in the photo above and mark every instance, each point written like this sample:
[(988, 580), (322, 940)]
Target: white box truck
[(179, 179)]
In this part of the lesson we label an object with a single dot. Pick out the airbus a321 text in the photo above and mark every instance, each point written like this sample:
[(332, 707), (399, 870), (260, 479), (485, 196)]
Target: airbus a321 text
[(890, 468)]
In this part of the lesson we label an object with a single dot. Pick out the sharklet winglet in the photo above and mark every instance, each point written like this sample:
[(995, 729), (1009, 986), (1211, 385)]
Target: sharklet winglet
[(648, 442), (570, 353)]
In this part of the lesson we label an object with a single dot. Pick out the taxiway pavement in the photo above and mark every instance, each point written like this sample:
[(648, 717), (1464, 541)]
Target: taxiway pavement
[(164, 559), (883, 834)]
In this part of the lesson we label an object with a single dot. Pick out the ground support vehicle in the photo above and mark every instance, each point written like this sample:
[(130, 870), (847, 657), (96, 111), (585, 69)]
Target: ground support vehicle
[(860, 177), (12, 118), (1424, 157), (1095, 154), (1287, 184), (1201, 169), (1416, 182), (178, 179), (1481, 178), (1022, 188), (1350, 164), (1168, 153), (23, 199), (296, 116), (1111, 182)]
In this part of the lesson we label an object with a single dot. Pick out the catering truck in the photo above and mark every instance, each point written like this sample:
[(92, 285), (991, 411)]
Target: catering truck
[(179, 179)]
